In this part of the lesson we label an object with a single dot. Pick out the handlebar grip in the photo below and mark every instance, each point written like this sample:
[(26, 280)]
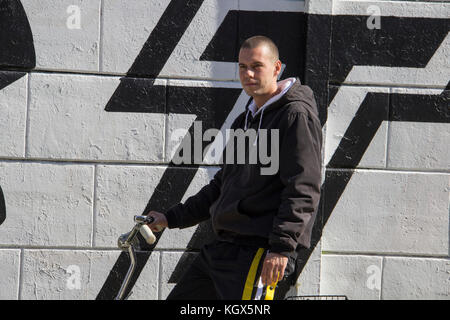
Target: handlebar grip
[(147, 234)]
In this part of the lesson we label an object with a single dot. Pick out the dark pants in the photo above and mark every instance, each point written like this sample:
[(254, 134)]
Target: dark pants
[(227, 271)]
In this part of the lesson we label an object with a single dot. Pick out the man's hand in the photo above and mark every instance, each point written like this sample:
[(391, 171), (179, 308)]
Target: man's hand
[(159, 223), (273, 268)]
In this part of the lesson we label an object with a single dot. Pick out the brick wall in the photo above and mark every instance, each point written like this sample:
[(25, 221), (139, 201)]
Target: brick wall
[(91, 93)]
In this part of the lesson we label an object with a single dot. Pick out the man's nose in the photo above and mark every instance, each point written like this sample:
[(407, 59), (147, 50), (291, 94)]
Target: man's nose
[(249, 73)]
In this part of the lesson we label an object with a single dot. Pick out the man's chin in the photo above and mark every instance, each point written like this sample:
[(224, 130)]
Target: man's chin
[(251, 92)]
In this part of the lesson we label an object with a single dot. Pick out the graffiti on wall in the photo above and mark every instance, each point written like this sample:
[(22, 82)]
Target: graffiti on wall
[(306, 58), (324, 51)]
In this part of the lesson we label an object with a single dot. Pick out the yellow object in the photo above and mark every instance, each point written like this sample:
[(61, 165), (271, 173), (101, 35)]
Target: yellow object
[(270, 291), (248, 287)]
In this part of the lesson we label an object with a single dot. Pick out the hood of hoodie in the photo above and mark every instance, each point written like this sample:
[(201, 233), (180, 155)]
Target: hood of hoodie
[(283, 87), (297, 92)]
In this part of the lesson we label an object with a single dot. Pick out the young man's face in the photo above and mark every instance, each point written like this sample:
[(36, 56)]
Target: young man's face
[(258, 71)]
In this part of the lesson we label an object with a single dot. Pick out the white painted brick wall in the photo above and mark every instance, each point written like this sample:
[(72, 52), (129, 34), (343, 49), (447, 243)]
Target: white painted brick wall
[(341, 111), (13, 111), (9, 281), (122, 192), (416, 278), (308, 283), (168, 262), (79, 275), (65, 274), (356, 277), (126, 27), (47, 204), (148, 284), (418, 145), (185, 59), (74, 175), (59, 47), (391, 212), (68, 121)]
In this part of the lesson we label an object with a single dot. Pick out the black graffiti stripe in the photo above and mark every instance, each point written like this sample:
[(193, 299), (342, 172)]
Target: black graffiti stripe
[(400, 42), (164, 38), (2, 207), (7, 78), (420, 107), (16, 38), (318, 47), (133, 95), (203, 234), (167, 193), (287, 29), (175, 180), (138, 95), (389, 107), (373, 110), (317, 60), (357, 138), (337, 43), (364, 126)]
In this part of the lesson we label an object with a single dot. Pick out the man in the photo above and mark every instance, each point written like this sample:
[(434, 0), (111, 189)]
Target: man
[(261, 221)]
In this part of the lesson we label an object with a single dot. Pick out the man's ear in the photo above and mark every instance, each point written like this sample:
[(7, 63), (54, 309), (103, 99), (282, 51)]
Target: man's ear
[(277, 68)]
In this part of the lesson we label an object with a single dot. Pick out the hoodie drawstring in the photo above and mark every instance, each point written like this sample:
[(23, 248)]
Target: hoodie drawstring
[(246, 118), (259, 126)]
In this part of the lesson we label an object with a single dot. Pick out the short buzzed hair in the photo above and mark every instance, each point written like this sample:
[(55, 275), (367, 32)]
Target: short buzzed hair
[(256, 41)]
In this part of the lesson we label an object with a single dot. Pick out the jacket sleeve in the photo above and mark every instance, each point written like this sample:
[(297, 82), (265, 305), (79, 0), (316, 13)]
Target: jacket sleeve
[(196, 208), (300, 173)]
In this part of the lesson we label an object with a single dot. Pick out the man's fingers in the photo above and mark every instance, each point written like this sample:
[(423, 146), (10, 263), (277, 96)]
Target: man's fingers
[(159, 221), (266, 272), (281, 274), (273, 269), (275, 275)]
